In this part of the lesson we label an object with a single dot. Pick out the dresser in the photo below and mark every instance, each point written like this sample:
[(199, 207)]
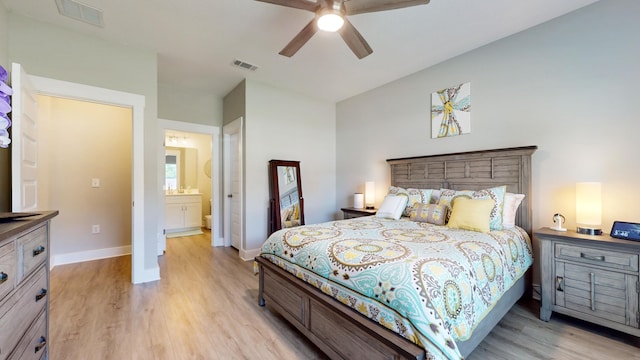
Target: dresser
[(183, 212), (350, 213), (24, 286), (593, 278)]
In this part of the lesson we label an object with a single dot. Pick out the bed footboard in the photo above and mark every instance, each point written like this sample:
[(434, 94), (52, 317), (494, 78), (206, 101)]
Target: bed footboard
[(340, 332)]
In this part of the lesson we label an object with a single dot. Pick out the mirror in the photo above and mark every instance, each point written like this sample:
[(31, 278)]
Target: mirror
[(181, 166), (287, 203)]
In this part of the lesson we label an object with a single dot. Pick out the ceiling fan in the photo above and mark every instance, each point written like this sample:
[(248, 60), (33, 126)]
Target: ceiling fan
[(331, 15)]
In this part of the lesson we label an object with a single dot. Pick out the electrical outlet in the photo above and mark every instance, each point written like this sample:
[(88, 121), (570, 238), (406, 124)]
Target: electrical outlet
[(95, 182), (95, 229)]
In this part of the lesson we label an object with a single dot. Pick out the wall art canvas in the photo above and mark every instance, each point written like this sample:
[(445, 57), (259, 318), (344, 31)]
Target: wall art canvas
[(451, 111)]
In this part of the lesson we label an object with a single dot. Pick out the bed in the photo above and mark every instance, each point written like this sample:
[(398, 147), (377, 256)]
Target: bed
[(345, 326)]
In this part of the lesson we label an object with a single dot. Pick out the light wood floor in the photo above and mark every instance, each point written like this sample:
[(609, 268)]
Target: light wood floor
[(205, 307)]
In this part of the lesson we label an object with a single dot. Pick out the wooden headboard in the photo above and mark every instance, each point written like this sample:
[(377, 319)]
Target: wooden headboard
[(474, 170)]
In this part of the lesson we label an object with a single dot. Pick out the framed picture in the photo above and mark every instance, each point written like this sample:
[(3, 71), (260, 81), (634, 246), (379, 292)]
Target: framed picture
[(451, 111)]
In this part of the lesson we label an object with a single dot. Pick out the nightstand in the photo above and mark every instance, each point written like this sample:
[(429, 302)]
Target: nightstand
[(350, 213), (590, 277)]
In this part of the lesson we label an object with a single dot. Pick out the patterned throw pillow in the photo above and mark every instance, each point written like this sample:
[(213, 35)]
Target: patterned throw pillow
[(414, 196), (431, 213), (496, 194)]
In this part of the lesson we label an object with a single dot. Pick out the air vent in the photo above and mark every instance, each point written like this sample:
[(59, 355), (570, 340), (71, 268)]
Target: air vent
[(244, 65), (80, 12)]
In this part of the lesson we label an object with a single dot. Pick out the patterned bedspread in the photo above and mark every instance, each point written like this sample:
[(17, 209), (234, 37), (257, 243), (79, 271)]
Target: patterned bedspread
[(428, 283)]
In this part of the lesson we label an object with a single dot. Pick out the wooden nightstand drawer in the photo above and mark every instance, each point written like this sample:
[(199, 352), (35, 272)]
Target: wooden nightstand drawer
[(596, 292), (351, 213), (592, 256)]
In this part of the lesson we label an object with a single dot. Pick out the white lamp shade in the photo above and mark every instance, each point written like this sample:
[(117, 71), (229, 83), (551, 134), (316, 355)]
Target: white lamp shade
[(589, 205), (358, 200), (369, 193)]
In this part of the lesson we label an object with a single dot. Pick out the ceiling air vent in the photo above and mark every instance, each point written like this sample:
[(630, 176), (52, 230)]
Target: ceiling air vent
[(80, 12), (244, 65)]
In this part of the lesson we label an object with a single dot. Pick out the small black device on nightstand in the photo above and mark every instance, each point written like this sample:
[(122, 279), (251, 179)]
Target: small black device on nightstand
[(625, 230)]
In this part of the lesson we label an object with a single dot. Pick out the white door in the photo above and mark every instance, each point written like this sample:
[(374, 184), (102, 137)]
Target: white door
[(233, 222), (24, 148), (236, 187)]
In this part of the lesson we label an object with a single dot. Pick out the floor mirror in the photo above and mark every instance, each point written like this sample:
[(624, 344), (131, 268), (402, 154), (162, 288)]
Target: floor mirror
[(286, 201)]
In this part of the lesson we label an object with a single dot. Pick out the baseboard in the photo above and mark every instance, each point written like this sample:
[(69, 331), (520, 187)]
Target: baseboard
[(89, 255), (248, 255), (536, 292)]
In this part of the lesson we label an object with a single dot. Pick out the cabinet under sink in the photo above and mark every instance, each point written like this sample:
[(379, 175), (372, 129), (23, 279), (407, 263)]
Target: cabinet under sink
[(183, 212)]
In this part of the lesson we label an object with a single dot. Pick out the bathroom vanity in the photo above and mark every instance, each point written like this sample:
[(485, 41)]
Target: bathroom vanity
[(183, 212)]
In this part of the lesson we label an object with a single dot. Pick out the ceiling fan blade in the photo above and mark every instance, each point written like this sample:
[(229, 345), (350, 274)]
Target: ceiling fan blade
[(298, 4), (354, 40), (299, 40), (353, 7)]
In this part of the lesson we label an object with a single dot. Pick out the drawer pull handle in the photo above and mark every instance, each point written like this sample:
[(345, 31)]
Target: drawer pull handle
[(43, 293), (3, 277), (593, 291), (559, 283), (37, 251), (591, 257), (43, 343)]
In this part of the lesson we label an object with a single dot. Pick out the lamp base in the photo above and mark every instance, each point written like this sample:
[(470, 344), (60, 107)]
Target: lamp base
[(589, 231)]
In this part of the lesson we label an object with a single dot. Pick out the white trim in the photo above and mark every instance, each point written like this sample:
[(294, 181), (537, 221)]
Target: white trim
[(150, 275), (89, 255), (234, 127), (214, 132), (70, 90), (248, 255)]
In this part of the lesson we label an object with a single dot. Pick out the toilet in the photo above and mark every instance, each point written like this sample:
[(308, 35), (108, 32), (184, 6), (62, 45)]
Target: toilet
[(207, 218)]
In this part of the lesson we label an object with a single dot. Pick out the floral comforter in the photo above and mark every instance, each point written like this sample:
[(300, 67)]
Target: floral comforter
[(428, 283)]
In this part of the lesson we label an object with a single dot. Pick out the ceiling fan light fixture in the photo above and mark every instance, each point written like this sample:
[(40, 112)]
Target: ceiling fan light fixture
[(330, 21)]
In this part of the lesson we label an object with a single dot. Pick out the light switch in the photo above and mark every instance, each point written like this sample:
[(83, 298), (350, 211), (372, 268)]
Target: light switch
[(95, 182)]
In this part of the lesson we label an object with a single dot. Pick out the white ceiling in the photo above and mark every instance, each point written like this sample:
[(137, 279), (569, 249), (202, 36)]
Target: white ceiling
[(197, 40)]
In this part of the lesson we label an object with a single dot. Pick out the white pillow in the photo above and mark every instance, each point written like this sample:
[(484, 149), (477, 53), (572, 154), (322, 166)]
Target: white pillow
[(392, 207), (511, 204)]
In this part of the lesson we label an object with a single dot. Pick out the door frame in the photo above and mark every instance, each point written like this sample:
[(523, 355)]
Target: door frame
[(216, 211), (234, 127), (65, 89)]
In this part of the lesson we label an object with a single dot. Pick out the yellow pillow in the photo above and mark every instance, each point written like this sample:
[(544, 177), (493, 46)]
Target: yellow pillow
[(471, 214)]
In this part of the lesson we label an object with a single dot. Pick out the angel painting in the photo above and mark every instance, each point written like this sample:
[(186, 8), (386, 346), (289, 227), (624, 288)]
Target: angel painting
[(451, 111)]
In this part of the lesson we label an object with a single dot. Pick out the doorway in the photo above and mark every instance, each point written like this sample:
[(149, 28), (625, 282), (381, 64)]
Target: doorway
[(63, 89), (175, 135)]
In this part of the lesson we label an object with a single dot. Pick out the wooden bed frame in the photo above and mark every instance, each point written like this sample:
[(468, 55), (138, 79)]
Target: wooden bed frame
[(343, 333)]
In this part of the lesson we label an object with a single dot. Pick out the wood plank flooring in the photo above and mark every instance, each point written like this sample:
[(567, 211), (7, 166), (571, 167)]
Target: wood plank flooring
[(205, 307)]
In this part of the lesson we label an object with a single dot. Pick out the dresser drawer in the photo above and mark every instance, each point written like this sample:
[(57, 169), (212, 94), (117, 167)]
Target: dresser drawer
[(34, 343), (7, 268), (593, 256), (20, 309), (33, 251)]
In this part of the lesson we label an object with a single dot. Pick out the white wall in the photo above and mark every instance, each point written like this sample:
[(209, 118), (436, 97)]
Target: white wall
[(286, 126), (49, 51), (568, 86), (77, 148), (189, 105)]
